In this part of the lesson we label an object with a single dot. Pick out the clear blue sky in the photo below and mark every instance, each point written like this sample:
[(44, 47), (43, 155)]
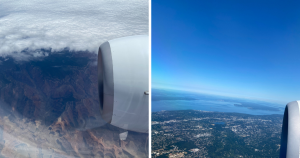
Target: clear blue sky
[(242, 48)]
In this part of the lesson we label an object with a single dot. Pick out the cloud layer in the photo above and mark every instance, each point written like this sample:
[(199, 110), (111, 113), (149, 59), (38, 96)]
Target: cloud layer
[(79, 25)]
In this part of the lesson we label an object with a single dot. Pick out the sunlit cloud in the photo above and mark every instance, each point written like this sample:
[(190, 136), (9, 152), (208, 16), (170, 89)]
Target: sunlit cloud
[(78, 25)]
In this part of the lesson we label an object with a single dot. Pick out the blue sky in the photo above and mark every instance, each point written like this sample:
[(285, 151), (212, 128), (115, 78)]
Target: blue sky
[(246, 49)]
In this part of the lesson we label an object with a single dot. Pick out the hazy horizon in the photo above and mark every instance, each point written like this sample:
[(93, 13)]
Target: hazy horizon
[(238, 48)]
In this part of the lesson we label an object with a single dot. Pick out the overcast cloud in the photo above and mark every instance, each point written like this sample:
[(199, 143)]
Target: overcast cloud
[(79, 25)]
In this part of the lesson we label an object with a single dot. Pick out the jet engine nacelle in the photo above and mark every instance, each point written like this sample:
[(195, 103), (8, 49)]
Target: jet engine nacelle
[(290, 136), (123, 82)]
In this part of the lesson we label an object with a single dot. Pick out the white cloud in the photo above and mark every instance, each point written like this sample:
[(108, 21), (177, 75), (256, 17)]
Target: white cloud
[(57, 24)]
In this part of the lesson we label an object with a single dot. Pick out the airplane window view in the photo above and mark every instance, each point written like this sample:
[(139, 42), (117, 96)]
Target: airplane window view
[(51, 101), (222, 75)]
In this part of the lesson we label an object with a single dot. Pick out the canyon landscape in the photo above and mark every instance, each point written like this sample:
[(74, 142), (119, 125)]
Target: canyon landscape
[(49, 108)]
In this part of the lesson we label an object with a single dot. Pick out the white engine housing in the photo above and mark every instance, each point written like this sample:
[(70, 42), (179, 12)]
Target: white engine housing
[(123, 79), (290, 136)]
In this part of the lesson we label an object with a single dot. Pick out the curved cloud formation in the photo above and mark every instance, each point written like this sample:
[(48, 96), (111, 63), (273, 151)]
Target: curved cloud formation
[(79, 25)]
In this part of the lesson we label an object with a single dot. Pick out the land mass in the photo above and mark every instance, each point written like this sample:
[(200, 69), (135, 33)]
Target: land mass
[(194, 133), (256, 107), (49, 108)]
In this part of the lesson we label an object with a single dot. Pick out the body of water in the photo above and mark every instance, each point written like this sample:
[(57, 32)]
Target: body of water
[(178, 100)]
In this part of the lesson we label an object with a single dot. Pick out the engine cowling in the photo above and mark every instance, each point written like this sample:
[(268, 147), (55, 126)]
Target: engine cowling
[(290, 136), (123, 82)]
